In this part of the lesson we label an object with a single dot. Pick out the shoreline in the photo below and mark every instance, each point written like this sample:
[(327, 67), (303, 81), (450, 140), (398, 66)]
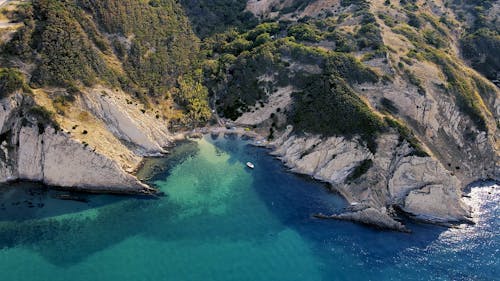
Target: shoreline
[(357, 212), (360, 213)]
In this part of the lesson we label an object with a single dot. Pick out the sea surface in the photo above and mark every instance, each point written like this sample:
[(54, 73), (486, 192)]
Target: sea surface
[(222, 221)]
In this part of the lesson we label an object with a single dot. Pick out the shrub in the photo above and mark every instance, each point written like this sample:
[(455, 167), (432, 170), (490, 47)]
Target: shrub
[(10, 81), (408, 135), (327, 106), (305, 32), (359, 170)]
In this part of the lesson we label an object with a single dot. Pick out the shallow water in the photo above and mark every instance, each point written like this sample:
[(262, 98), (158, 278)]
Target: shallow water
[(222, 221)]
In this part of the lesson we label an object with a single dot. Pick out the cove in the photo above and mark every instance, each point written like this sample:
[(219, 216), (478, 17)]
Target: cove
[(222, 221)]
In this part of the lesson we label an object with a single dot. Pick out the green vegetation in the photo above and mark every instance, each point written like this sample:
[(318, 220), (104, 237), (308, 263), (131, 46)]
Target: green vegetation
[(388, 19), (480, 43), (324, 103), (60, 45), (415, 81), (11, 80), (194, 96), (141, 46), (368, 37), (305, 32), (408, 135), (359, 170), (460, 85), (161, 45), (210, 17), (186, 52), (482, 48), (329, 107)]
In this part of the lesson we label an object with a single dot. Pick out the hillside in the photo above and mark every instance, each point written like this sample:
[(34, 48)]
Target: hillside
[(391, 102), (111, 77)]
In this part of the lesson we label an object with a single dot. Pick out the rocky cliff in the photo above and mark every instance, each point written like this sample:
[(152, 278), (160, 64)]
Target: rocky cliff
[(87, 92), (45, 152), (378, 184), (384, 100), (420, 166)]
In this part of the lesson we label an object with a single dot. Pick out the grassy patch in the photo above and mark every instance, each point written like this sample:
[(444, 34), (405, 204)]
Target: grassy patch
[(467, 98)]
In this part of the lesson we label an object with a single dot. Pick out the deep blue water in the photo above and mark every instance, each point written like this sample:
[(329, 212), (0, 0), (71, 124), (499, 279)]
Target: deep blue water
[(222, 221)]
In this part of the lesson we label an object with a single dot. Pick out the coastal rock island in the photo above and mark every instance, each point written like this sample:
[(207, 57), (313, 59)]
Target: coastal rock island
[(395, 104)]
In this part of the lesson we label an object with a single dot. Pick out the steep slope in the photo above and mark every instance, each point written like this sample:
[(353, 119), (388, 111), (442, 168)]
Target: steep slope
[(386, 100), (370, 96), (109, 78)]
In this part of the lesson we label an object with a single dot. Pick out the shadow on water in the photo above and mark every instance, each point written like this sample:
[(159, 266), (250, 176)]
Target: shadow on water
[(159, 167), (293, 199), (65, 232), (29, 200)]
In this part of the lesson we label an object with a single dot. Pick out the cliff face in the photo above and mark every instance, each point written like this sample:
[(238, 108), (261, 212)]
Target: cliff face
[(35, 151), (445, 143), (91, 87), (392, 178), (382, 99)]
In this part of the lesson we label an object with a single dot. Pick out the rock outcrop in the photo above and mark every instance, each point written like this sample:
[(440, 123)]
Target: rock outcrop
[(146, 133), (430, 122), (36, 151), (396, 179)]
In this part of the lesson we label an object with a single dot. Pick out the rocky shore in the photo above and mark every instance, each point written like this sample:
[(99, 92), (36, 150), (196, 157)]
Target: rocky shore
[(76, 155), (397, 184)]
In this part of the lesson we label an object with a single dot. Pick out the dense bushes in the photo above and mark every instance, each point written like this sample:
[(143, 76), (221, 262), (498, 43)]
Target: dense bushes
[(74, 42), (194, 97), (480, 42), (482, 48), (329, 107), (209, 17), (59, 45), (368, 36), (10, 81), (162, 45), (305, 32), (240, 84)]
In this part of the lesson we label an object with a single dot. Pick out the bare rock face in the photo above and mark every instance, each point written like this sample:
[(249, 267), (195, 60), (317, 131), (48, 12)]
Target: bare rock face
[(30, 154), (126, 121), (426, 190), (397, 179), (10, 108), (372, 216), (327, 159), (35, 152)]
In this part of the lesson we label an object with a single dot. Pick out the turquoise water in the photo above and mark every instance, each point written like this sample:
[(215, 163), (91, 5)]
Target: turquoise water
[(222, 221)]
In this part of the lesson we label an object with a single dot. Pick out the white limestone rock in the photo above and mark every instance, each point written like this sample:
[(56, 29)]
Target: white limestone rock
[(30, 154)]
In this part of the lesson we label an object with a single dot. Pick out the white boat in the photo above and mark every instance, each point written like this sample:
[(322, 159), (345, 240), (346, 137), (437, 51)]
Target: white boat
[(250, 165)]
